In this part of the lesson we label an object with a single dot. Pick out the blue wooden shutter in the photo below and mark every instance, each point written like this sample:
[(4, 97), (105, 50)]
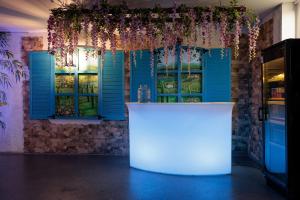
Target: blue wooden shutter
[(112, 100), (140, 74), (41, 85), (217, 76)]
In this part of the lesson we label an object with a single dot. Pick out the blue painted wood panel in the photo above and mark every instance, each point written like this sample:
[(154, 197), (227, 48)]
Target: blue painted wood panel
[(275, 146), (217, 76), (140, 74), (41, 65), (112, 99)]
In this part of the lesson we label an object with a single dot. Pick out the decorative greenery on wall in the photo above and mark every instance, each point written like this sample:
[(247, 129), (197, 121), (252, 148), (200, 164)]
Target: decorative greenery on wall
[(8, 65), (140, 28)]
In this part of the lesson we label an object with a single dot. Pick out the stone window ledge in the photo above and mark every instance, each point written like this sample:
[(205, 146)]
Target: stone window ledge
[(76, 121)]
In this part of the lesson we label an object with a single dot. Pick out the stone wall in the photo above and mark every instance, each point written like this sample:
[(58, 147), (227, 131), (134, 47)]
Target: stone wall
[(241, 83), (45, 136), (256, 137)]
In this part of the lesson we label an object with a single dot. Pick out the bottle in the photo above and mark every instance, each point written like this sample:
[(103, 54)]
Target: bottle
[(139, 93), (148, 95), (144, 94)]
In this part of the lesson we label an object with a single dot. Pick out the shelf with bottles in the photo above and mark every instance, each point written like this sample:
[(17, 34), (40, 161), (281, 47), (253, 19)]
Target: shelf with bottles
[(278, 101), (276, 110), (144, 94), (276, 78), (277, 93)]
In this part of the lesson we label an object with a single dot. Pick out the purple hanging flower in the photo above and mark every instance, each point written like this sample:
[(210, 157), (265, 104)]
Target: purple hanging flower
[(253, 36), (237, 34), (86, 25)]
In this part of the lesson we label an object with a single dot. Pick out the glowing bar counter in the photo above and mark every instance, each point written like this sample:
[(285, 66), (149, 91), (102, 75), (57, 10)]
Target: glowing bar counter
[(181, 138)]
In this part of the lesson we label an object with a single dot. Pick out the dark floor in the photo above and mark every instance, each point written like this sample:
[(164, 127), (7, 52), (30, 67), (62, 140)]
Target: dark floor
[(36, 177)]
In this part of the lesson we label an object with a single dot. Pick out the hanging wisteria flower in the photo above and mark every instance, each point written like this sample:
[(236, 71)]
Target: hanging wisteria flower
[(189, 59), (50, 27), (210, 27), (103, 39), (133, 37), (181, 54), (253, 36), (86, 25), (94, 35), (223, 33), (237, 34), (60, 44), (192, 17), (150, 33), (145, 28)]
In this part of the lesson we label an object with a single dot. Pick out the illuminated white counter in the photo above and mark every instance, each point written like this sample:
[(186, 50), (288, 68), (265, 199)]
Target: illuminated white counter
[(181, 138)]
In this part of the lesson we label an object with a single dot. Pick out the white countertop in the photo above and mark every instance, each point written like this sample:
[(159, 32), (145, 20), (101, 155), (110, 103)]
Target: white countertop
[(181, 138)]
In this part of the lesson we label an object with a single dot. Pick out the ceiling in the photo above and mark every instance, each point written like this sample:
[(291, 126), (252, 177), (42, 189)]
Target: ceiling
[(32, 15)]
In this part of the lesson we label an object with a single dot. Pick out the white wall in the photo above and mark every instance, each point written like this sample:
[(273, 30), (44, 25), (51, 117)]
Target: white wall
[(12, 138), (275, 14), (285, 23), (288, 20), (297, 7)]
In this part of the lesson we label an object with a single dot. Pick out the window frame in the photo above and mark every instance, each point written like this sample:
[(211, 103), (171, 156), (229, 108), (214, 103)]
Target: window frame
[(76, 73), (179, 72)]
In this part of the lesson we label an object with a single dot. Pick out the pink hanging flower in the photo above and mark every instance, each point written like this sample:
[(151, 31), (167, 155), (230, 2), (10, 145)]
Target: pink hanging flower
[(86, 25), (253, 36), (174, 33), (189, 59), (205, 28), (237, 34), (181, 57), (139, 36), (94, 37), (133, 36), (192, 17), (122, 31), (210, 26), (50, 27), (111, 36), (61, 41), (150, 34), (223, 33), (103, 39)]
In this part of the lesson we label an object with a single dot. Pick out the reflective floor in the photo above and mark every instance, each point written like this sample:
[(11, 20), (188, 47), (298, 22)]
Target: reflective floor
[(37, 177)]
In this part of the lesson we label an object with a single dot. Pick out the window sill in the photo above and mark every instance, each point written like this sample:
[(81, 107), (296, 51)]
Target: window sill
[(76, 121)]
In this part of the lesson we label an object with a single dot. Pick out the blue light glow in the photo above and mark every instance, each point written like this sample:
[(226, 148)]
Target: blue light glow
[(183, 139)]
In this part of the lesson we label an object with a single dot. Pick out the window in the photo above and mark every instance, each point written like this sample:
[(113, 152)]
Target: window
[(84, 91), (76, 88), (177, 80)]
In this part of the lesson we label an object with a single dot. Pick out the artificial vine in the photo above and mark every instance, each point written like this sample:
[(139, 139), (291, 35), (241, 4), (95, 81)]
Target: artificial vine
[(133, 29)]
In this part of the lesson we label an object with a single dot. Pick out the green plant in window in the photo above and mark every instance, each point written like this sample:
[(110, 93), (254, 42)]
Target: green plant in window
[(64, 84), (167, 84), (65, 106), (88, 106), (191, 83), (88, 84)]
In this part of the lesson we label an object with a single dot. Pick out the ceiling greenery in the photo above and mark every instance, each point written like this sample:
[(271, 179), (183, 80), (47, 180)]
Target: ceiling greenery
[(101, 24)]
